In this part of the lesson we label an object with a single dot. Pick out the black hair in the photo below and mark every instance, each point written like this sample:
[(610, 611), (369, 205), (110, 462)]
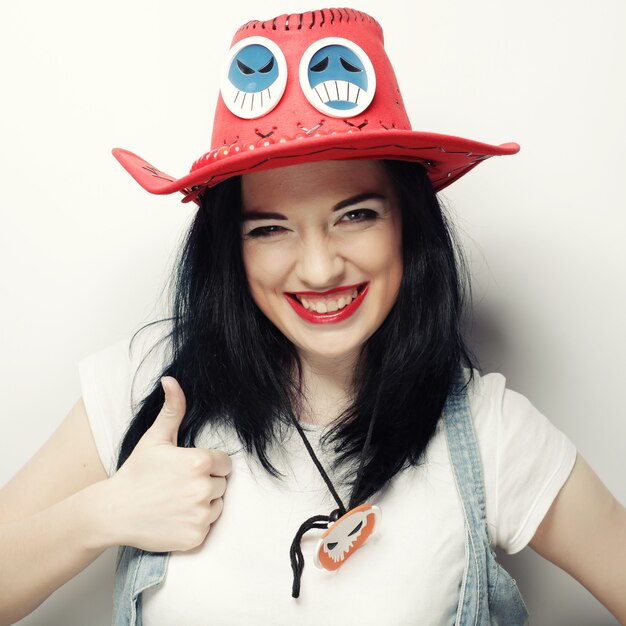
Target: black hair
[(238, 369)]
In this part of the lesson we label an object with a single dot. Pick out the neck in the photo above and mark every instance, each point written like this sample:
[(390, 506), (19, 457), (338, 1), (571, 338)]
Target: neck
[(327, 387)]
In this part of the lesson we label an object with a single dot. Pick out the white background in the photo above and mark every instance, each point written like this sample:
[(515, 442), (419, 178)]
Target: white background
[(85, 252)]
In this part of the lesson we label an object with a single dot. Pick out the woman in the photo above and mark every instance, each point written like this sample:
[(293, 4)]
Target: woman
[(312, 290)]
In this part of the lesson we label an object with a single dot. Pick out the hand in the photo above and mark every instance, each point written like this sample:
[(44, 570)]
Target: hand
[(166, 497)]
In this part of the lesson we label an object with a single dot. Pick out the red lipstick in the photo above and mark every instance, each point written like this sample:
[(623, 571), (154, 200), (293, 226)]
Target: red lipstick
[(332, 317)]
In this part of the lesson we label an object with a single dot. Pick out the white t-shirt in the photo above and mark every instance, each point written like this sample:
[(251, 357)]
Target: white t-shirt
[(411, 569)]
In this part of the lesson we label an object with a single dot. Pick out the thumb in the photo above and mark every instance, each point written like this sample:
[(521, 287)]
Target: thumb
[(166, 425)]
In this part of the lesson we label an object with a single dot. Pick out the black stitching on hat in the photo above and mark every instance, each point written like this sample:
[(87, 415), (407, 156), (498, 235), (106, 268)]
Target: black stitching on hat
[(312, 19), (287, 23), (359, 126), (300, 23), (274, 24), (445, 180), (332, 16), (323, 18), (157, 173), (354, 15)]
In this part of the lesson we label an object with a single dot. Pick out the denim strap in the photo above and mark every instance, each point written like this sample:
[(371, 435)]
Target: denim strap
[(468, 475), (136, 571), (488, 596)]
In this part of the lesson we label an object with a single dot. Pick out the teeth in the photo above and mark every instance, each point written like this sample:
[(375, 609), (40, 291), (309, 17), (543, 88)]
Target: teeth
[(327, 305), (338, 90)]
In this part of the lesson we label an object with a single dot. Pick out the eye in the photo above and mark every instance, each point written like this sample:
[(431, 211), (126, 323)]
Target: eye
[(332, 544), (265, 231), (348, 66), (356, 529), (254, 78), (359, 215), (337, 77), (243, 68), (321, 66), (269, 67)]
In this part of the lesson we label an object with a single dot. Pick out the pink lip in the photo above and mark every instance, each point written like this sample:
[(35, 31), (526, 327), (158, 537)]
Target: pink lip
[(327, 318)]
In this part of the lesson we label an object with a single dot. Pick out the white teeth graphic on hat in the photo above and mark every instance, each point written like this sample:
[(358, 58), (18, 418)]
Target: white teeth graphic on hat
[(247, 100), (338, 90)]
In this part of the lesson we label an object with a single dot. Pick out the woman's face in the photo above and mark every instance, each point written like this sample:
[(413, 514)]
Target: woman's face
[(322, 252)]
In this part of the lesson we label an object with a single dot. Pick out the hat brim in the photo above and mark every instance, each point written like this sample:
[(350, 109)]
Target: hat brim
[(445, 158)]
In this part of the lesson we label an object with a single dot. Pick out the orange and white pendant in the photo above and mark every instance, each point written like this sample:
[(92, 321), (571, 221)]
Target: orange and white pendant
[(345, 536)]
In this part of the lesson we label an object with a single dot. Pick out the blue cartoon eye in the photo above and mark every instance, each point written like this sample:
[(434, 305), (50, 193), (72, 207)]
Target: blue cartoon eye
[(253, 70), (255, 77), (266, 69), (337, 77)]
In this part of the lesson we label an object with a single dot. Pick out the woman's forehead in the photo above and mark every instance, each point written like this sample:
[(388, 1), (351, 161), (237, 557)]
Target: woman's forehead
[(317, 181)]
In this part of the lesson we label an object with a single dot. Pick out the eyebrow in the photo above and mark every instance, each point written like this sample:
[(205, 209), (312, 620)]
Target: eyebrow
[(342, 204)]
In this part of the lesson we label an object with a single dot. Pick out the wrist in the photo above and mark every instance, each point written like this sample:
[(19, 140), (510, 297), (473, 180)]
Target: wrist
[(97, 502)]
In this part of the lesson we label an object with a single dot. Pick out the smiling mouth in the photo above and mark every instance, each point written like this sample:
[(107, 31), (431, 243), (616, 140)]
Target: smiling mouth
[(330, 306)]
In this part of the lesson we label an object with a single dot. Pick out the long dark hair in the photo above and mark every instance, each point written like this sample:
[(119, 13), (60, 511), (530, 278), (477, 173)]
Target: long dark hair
[(238, 369)]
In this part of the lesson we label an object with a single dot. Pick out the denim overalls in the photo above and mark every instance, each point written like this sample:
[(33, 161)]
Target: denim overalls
[(488, 595)]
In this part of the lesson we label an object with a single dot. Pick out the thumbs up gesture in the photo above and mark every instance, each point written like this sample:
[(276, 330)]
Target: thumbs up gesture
[(164, 497)]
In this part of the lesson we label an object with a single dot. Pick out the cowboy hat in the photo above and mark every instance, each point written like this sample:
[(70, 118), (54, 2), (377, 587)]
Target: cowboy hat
[(309, 87)]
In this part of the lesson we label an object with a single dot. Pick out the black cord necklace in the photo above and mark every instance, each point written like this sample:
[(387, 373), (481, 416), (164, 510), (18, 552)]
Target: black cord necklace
[(346, 530)]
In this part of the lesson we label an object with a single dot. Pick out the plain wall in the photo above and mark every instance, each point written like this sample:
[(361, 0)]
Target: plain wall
[(85, 252)]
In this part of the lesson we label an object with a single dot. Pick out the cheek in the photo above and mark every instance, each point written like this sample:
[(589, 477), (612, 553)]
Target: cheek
[(388, 266), (393, 257), (265, 268), (380, 253)]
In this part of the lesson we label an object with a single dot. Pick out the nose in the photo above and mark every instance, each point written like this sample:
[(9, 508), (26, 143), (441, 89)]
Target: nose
[(319, 265)]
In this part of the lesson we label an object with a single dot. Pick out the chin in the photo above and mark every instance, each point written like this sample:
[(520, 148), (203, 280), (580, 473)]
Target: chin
[(330, 349)]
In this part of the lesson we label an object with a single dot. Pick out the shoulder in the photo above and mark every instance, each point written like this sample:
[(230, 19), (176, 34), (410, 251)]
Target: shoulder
[(525, 459), (116, 378), (486, 394), (497, 409), (144, 353), (508, 419)]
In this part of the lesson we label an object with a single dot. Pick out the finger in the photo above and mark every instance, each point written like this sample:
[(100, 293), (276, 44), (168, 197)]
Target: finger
[(218, 487), (215, 509), (166, 425), (221, 465)]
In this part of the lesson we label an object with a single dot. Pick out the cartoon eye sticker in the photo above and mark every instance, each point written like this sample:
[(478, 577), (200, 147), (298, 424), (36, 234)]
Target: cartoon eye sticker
[(254, 78), (345, 536), (337, 77)]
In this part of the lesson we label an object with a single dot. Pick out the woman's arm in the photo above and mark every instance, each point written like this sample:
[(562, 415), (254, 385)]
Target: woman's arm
[(51, 518), (584, 533), (61, 511)]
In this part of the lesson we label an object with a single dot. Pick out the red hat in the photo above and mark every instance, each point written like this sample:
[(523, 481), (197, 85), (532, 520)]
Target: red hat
[(310, 87)]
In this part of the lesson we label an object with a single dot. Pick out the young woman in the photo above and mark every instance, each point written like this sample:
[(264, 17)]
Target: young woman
[(311, 400)]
